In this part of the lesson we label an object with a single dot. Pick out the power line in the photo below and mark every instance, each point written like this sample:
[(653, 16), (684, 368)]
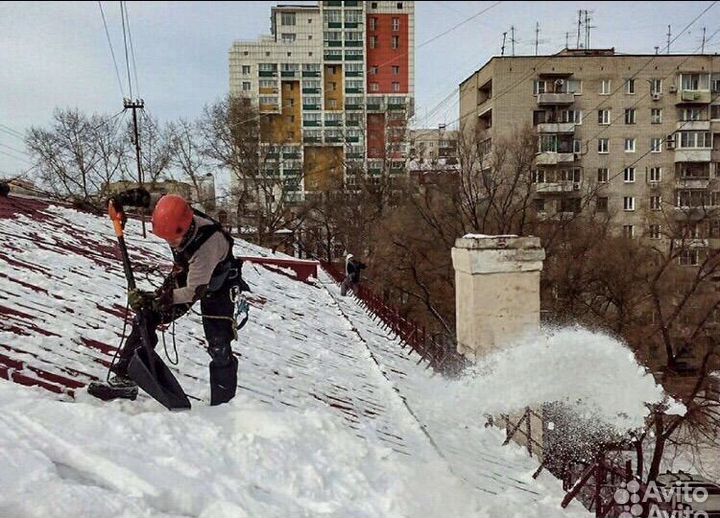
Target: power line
[(112, 52), (127, 60), (132, 51)]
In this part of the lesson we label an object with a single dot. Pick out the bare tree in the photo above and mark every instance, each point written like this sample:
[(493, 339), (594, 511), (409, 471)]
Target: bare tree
[(78, 155), (236, 136)]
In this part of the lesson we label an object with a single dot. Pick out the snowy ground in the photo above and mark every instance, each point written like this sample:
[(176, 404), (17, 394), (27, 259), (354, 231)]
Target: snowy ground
[(332, 416)]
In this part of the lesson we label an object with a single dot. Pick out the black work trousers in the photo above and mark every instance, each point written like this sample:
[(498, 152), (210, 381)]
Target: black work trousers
[(218, 333)]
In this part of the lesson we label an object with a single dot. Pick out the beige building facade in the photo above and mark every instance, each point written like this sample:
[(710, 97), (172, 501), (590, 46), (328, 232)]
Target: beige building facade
[(633, 136)]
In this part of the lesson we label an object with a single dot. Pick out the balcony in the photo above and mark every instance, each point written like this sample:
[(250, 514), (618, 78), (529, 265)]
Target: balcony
[(311, 73), (693, 97), (353, 107), (556, 127), (553, 98), (693, 125), (692, 183), (693, 154), (553, 158), (287, 73), (555, 187)]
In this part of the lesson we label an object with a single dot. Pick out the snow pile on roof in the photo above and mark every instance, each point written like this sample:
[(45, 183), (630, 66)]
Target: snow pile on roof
[(332, 417), (595, 373)]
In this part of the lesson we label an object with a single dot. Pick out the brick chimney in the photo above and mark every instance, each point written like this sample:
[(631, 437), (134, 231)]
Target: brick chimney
[(497, 290)]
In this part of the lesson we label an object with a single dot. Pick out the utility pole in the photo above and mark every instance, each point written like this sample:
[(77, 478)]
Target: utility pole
[(134, 105), (669, 33), (537, 36), (703, 42)]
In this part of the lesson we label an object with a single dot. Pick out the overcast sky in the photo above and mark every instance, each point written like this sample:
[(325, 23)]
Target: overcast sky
[(56, 54)]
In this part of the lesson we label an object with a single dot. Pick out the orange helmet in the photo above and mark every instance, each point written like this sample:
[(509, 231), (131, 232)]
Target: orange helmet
[(172, 217)]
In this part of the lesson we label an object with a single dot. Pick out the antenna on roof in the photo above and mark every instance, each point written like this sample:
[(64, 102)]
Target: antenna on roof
[(669, 33), (579, 24), (512, 38), (702, 51), (502, 49), (537, 34)]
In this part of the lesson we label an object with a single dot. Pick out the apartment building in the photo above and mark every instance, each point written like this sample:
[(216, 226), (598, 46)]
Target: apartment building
[(639, 135), (334, 86), (433, 144)]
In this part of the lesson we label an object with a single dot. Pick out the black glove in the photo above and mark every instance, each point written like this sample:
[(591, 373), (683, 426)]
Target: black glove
[(140, 299)]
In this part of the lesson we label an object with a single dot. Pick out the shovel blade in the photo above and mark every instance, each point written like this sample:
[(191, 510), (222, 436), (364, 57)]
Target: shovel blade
[(163, 387)]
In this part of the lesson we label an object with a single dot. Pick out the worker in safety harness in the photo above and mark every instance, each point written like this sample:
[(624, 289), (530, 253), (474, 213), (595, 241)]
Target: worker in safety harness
[(204, 270)]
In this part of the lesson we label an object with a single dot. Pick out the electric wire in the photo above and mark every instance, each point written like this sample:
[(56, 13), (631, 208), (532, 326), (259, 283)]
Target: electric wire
[(112, 52)]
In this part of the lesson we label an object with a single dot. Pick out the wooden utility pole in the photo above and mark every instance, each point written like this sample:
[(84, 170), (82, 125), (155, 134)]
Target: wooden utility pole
[(134, 105)]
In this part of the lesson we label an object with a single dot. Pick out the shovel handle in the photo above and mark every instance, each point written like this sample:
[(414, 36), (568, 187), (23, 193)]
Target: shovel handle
[(117, 216)]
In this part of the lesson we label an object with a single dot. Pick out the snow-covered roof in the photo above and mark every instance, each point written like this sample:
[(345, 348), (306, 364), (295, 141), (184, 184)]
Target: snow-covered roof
[(332, 415)]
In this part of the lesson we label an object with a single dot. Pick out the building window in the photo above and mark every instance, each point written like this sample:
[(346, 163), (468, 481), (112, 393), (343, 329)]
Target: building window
[(539, 204), (655, 174), (399, 5), (629, 231), (603, 145), (246, 69), (654, 232), (630, 116), (693, 82), (655, 145), (288, 38), (689, 257), (373, 70), (629, 145), (628, 203), (629, 86), (605, 85), (601, 205), (602, 175), (287, 19), (396, 70), (374, 87), (373, 23), (373, 5), (395, 24), (538, 174), (655, 202), (604, 117), (692, 114), (655, 116), (332, 104), (695, 139), (656, 86), (246, 86), (373, 42), (396, 42), (395, 86), (629, 175)]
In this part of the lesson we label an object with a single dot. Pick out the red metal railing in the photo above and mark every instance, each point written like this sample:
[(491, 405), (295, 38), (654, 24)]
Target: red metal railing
[(443, 358)]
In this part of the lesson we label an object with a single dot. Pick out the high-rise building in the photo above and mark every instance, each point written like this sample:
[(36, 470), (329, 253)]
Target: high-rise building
[(639, 133), (334, 86)]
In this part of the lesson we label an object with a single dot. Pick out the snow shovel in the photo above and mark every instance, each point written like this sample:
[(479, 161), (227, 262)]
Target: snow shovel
[(146, 368)]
